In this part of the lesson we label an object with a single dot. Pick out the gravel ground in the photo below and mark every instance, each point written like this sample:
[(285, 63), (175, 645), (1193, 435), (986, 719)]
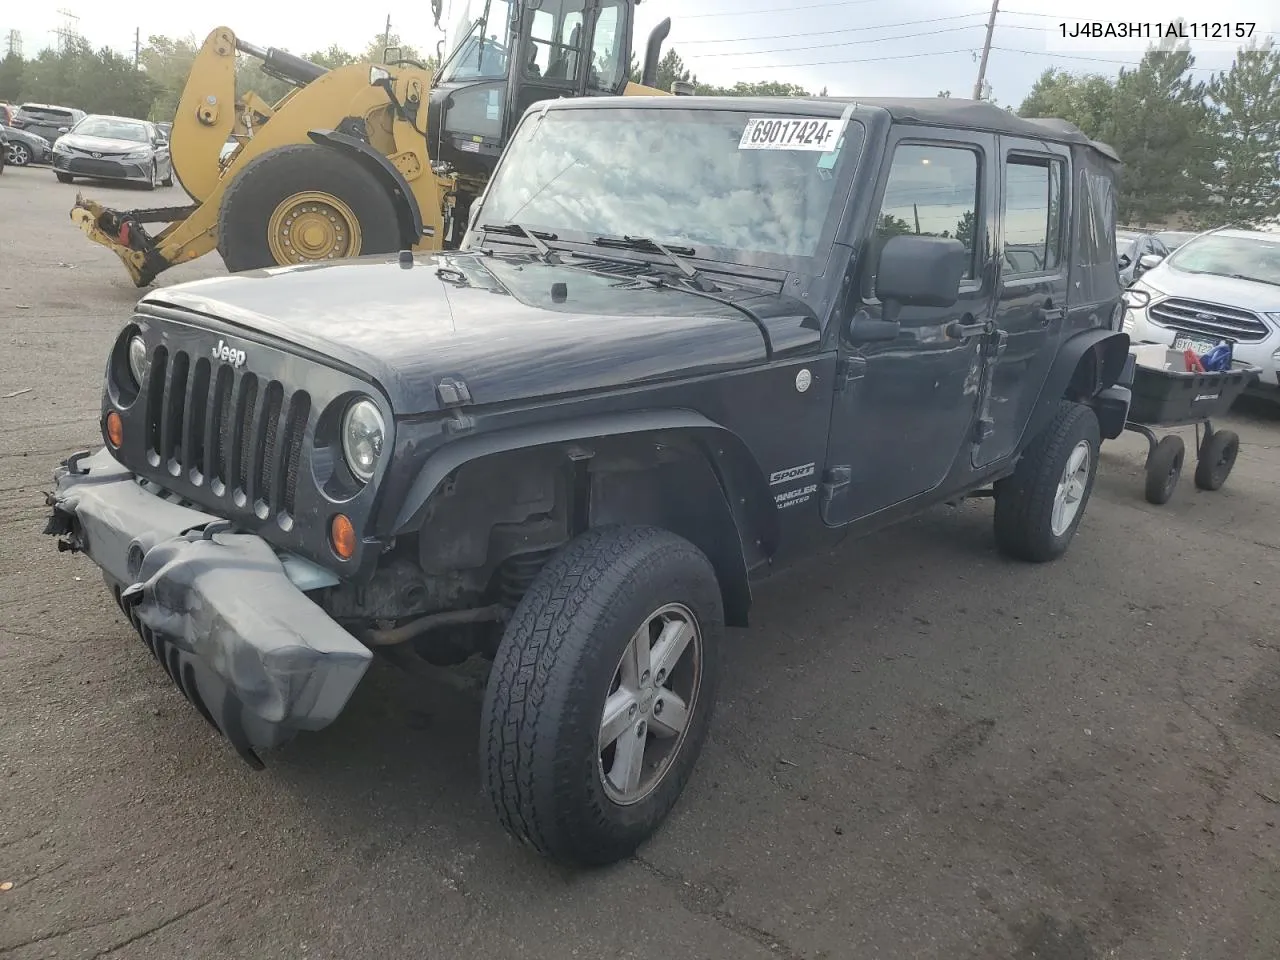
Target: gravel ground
[(922, 750)]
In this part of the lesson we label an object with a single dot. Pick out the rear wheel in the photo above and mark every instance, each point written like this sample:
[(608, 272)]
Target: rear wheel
[(1216, 457), (601, 693), (1164, 467), (1039, 508), (302, 203), (18, 154)]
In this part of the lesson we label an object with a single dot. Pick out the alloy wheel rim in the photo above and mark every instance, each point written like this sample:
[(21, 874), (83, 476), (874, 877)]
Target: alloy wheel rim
[(1071, 488), (313, 225), (652, 698)]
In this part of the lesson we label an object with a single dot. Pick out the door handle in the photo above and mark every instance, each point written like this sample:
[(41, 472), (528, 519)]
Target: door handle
[(1050, 313), (963, 331)]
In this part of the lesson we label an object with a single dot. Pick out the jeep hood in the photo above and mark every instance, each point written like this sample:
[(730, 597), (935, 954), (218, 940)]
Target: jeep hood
[(510, 328)]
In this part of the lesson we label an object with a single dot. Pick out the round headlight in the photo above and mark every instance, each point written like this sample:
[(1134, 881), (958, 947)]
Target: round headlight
[(362, 436), (137, 359)]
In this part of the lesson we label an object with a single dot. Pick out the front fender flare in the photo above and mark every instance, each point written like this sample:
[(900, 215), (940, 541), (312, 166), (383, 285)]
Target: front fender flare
[(408, 216)]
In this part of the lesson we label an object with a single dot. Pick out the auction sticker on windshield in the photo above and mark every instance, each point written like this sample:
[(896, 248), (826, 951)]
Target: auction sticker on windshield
[(789, 133)]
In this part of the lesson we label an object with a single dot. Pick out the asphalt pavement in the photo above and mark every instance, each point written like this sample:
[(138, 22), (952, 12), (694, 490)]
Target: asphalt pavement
[(922, 750)]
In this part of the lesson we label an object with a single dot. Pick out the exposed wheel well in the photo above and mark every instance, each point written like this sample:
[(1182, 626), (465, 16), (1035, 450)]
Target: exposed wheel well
[(491, 511)]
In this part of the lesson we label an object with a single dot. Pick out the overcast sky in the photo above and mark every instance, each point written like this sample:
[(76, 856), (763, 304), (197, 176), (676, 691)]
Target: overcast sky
[(852, 47)]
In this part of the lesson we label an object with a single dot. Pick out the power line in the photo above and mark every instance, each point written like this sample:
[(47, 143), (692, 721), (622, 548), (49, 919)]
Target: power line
[(822, 63), (1069, 56), (854, 43), (828, 33), (747, 13)]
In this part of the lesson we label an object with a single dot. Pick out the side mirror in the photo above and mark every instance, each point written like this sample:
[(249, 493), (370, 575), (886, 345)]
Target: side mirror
[(1150, 260), (379, 76), (1123, 261), (64, 129), (919, 271)]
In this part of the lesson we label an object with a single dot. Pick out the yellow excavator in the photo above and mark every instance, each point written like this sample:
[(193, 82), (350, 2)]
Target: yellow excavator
[(365, 158)]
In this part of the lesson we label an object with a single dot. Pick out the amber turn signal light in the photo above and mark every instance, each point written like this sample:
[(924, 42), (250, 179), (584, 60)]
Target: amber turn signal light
[(115, 429), (343, 536)]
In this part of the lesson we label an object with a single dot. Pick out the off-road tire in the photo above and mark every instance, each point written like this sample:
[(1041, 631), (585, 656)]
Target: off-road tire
[(63, 177), (269, 179), (1164, 467), (1024, 501), (545, 696), (1216, 457)]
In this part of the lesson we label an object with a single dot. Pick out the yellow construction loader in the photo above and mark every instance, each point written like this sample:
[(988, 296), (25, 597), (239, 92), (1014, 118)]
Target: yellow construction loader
[(366, 158)]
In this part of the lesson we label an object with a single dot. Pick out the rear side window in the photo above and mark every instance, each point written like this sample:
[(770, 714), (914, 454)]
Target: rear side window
[(932, 190), (43, 113), (1033, 222)]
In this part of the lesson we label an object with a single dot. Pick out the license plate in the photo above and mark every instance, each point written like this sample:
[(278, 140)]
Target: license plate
[(1201, 347)]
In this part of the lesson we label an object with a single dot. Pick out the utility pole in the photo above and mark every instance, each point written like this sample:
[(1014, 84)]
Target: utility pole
[(386, 38), (986, 51), (137, 45)]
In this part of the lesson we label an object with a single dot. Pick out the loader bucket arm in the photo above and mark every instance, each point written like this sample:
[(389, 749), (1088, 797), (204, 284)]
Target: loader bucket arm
[(207, 109)]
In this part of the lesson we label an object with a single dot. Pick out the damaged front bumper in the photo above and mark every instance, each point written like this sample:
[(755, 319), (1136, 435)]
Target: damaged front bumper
[(223, 613)]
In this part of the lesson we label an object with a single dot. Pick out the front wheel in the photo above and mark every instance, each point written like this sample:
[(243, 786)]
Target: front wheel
[(601, 693), (302, 203), (63, 177), (1039, 508), (1216, 457)]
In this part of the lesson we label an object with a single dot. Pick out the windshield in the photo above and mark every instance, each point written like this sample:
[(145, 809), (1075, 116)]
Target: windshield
[(1226, 256), (480, 47), (112, 129), (681, 177)]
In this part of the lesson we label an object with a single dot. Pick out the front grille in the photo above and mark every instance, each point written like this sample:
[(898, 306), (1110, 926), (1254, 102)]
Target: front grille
[(230, 431), (90, 167), (1212, 320)]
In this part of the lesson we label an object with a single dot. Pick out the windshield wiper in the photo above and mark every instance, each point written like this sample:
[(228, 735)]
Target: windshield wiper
[(533, 236), (1245, 276), (672, 254)]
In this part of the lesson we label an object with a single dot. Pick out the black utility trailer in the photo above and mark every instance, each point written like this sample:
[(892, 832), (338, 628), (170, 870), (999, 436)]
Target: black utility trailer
[(1175, 398)]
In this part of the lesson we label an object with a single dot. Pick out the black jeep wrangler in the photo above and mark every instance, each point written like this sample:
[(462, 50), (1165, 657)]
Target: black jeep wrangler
[(685, 341)]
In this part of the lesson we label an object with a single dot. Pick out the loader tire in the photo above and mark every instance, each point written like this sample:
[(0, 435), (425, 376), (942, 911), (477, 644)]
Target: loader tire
[(341, 203)]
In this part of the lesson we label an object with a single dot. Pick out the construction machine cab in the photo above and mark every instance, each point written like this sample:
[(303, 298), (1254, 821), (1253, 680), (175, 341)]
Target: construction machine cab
[(509, 54)]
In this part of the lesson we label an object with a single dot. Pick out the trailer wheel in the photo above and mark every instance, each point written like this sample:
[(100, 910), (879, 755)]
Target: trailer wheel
[(303, 203), (601, 693), (1164, 466), (1216, 457)]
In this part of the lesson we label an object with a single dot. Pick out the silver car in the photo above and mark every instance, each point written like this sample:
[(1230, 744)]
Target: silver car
[(1221, 285), (114, 148)]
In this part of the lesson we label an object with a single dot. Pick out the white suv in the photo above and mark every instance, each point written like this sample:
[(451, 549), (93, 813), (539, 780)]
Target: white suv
[(1221, 285)]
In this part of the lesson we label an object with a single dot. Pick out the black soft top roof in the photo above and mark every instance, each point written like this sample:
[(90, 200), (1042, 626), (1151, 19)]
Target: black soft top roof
[(926, 111)]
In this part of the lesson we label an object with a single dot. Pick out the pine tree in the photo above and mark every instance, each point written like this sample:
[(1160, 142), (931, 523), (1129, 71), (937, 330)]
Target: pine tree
[(1160, 127), (1246, 124)]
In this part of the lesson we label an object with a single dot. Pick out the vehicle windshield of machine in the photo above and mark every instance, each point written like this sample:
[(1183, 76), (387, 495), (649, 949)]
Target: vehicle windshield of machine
[(112, 128), (481, 50), (1224, 255), (688, 178)]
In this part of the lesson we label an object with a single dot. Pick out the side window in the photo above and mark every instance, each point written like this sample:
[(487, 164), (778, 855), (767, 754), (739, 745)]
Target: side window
[(932, 190), (606, 48), (556, 32), (1033, 235), (541, 31)]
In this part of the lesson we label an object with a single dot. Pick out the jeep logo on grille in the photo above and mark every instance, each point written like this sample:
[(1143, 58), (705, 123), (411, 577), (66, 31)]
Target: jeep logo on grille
[(229, 354)]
